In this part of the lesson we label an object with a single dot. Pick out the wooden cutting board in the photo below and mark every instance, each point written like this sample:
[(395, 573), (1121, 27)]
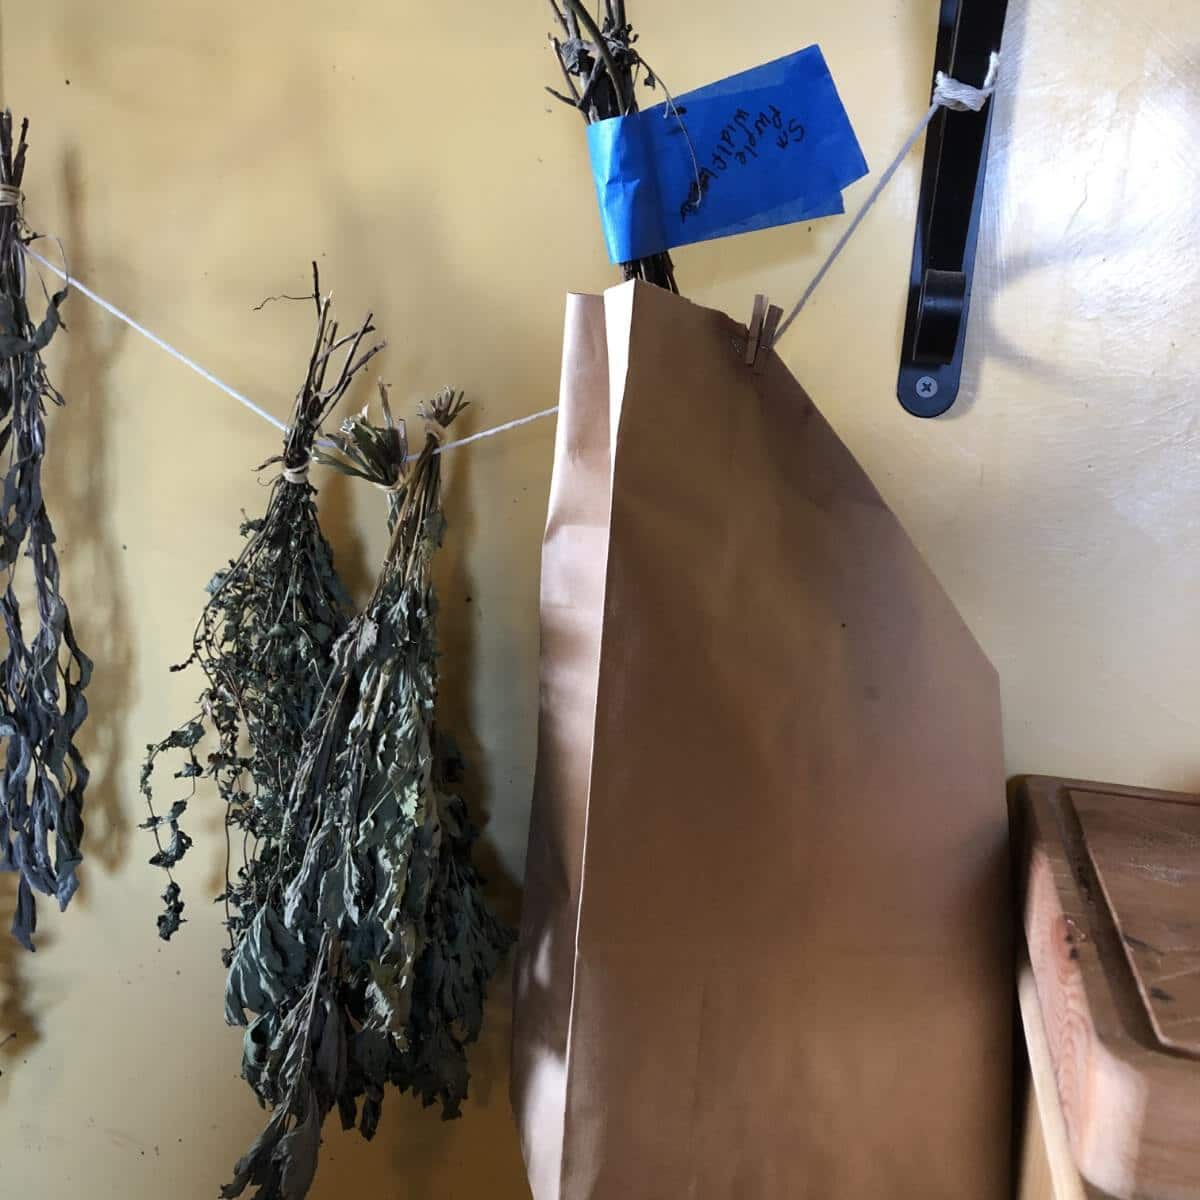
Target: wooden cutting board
[(1111, 901)]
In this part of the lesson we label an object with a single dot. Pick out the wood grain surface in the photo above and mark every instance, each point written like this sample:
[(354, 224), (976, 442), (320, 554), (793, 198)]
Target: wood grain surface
[(1046, 1168), (1110, 935), (1146, 854)]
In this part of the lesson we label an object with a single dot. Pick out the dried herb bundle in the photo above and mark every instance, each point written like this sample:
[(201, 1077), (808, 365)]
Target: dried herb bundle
[(375, 968), (42, 681), (600, 66), (265, 644)]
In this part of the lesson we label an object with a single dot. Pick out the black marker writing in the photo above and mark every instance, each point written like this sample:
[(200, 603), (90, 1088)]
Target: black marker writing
[(740, 143)]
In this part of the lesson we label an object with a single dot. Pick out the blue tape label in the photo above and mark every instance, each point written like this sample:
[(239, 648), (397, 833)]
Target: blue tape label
[(766, 147)]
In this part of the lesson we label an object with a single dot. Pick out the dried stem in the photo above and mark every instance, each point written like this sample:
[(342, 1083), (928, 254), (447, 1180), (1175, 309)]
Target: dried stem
[(600, 46), (372, 967), (603, 60), (264, 642)]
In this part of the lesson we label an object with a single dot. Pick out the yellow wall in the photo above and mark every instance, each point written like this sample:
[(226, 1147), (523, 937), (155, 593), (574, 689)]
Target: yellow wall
[(194, 156)]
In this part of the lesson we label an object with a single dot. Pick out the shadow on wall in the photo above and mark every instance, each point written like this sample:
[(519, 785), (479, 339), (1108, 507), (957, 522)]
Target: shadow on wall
[(335, 506), (79, 479), (457, 639), (18, 1029), (1082, 240), (417, 1155)]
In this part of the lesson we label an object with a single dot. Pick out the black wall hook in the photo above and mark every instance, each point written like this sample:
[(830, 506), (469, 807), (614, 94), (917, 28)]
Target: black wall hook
[(948, 213)]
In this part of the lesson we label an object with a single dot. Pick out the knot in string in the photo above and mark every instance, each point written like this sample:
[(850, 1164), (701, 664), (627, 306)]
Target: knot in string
[(962, 97), (947, 93)]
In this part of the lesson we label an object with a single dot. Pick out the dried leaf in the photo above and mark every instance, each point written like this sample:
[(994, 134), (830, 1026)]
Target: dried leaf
[(42, 678), (385, 898), (264, 643), (267, 965)]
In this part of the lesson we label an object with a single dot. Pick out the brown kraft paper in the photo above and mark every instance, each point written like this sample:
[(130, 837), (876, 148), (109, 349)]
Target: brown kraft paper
[(765, 950)]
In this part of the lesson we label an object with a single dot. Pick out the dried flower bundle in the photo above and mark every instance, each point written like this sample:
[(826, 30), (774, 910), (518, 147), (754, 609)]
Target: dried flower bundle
[(265, 645), (373, 970), (600, 67), (42, 680)]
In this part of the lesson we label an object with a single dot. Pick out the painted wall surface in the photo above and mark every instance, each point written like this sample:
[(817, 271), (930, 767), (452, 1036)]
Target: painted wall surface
[(194, 157)]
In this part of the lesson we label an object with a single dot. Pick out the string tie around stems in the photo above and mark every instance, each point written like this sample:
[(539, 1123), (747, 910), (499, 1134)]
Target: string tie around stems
[(296, 474)]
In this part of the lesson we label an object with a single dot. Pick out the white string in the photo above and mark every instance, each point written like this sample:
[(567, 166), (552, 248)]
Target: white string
[(487, 433), (113, 310), (962, 97), (947, 93)]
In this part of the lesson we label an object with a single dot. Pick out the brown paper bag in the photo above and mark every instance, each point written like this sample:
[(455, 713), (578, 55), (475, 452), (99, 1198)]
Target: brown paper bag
[(765, 950)]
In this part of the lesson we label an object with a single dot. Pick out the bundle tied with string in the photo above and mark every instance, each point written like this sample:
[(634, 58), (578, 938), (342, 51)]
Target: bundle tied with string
[(264, 643), (43, 677), (373, 969), (601, 68)]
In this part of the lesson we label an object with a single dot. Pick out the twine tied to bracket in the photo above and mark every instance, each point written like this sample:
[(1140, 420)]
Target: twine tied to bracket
[(947, 93)]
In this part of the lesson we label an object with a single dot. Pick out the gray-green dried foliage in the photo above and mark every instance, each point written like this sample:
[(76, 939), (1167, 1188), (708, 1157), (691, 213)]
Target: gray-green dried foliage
[(264, 643), (373, 969), (43, 677)]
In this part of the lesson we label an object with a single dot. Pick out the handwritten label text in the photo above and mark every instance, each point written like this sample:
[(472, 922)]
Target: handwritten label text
[(742, 140)]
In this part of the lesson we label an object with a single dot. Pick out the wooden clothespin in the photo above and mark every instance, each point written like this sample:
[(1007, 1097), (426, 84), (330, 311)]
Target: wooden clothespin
[(760, 333)]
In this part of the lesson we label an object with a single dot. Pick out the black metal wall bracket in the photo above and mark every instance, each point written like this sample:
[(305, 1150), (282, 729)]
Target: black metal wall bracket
[(948, 214)]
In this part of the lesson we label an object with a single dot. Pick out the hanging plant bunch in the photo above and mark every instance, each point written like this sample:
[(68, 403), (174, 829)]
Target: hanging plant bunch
[(42, 680), (374, 970), (601, 66), (264, 643)]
